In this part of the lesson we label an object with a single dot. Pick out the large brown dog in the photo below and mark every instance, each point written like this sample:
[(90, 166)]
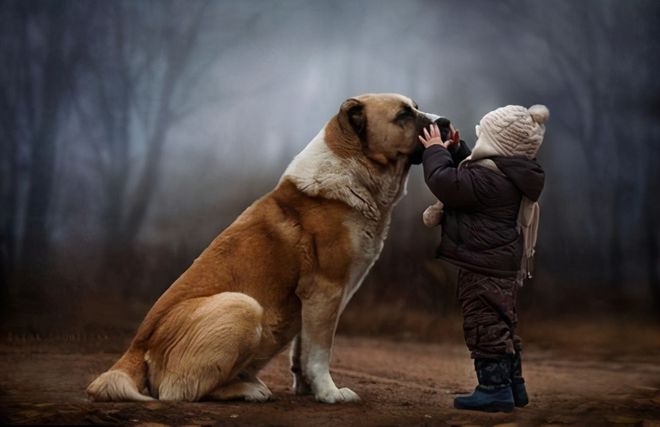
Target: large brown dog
[(283, 271)]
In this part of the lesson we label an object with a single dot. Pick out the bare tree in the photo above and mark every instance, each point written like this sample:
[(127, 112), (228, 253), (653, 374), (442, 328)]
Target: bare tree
[(141, 76), (137, 72), (581, 38), (644, 126), (10, 78), (42, 54)]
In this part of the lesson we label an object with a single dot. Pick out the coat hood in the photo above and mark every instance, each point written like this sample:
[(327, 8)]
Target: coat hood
[(527, 175)]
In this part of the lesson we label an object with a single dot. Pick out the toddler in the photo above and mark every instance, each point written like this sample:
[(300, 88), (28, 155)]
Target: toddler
[(489, 227)]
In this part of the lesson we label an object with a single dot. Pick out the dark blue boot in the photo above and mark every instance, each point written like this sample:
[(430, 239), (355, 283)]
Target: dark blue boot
[(493, 394), (518, 382)]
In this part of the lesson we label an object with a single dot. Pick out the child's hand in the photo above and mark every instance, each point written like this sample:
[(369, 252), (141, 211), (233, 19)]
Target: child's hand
[(432, 137), (432, 216), (454, 136)]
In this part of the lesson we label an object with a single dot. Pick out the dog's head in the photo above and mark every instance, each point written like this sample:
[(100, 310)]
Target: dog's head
[(387, 126)]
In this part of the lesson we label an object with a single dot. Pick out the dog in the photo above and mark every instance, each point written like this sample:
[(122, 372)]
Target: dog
[(282, 272)]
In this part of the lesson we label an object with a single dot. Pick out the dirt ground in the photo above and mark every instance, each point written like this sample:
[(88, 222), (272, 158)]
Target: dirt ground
[(400, 383)]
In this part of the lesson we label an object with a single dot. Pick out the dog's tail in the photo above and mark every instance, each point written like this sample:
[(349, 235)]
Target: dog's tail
[(123, 381)]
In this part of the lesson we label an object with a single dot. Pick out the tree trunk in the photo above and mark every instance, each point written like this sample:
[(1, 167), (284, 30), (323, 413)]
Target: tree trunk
[(53, 74), (650, 220), (653, 260), (9, 200)]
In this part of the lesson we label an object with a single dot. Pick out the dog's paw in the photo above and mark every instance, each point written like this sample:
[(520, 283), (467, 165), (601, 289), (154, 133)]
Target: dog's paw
[(338, 395), (259, 393)]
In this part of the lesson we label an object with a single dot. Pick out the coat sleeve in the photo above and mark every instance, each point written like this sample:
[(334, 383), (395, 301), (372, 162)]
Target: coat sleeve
[(452, 186), (459, 153)]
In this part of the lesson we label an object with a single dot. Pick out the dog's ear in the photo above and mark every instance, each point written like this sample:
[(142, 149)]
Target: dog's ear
[(352, 113), (352, 118)]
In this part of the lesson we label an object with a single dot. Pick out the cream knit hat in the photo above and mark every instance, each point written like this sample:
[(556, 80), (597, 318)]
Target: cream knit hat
[(511, 131)]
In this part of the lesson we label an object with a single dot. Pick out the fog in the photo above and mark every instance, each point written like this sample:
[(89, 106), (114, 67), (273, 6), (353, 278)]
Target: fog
[(133, 132)]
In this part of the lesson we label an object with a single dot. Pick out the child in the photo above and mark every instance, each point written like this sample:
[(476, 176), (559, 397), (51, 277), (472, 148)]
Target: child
[(489, 230)]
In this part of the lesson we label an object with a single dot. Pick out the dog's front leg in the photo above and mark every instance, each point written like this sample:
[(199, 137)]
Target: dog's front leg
[(320, 312)]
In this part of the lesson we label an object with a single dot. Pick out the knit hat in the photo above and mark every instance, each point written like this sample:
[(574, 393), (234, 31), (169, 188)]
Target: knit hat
[(511, 131)]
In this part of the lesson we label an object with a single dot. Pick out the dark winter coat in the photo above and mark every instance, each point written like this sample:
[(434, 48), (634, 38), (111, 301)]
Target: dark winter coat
[(479, 224)]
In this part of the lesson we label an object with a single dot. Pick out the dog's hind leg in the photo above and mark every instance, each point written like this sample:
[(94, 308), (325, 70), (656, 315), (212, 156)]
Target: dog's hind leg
[(203, 345)]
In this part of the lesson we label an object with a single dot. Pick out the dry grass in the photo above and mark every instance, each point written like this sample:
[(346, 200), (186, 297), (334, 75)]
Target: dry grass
[(104, 313), (587, 334)]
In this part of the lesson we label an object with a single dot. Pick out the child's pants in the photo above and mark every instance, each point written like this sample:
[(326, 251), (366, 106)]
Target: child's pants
[(489, 314)]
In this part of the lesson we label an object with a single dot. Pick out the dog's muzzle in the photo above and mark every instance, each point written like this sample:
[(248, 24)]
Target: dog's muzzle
[(417, 155), (432, 117)]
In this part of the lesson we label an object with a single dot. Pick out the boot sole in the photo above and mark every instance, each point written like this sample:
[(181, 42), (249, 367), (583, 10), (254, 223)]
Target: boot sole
[(491, 407)]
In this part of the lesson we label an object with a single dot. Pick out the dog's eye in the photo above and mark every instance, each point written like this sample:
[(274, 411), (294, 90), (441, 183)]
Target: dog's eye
[(405, 113)]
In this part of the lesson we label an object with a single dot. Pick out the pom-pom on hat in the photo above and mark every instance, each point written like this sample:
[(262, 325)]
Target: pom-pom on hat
[(511, 131)]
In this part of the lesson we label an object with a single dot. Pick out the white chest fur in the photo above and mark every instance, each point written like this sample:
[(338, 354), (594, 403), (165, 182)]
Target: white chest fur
[(368, 237), (367, 241), (317, 170)]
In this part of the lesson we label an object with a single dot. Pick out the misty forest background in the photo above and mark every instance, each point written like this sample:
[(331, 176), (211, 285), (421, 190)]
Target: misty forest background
[(132, 132)]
